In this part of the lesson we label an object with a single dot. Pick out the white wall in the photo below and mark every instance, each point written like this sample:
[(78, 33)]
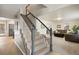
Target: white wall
[(69, 15), (39, 25), (53, 23), (6, 23), (10, 10)]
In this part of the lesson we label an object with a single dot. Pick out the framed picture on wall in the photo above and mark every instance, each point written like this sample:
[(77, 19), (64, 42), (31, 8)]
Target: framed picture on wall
[(58, 26)]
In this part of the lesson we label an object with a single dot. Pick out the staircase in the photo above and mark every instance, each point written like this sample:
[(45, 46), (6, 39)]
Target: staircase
[(41, 44)]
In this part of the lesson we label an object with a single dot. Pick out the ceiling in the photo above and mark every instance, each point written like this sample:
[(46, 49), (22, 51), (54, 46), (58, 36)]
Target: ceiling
[(65, 12), (52, 11), (10, 10), (53, 7)]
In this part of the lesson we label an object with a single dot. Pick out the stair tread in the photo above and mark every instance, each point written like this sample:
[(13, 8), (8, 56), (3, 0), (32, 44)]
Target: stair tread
[(37, 37), (40, 46), (38, 41), (37, 44), (41, 51)]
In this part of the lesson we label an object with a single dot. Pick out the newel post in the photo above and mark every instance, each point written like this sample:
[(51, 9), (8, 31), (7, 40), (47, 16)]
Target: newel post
[(32, 40), (50, 39)]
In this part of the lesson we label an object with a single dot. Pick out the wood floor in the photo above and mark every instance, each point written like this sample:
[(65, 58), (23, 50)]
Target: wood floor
[(8, 47), (62, 47)]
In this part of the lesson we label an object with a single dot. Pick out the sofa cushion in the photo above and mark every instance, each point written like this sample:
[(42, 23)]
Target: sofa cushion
[(72, 37)]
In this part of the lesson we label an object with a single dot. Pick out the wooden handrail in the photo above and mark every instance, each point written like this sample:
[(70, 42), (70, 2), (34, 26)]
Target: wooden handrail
[(27, 6), (50, 30), (39, 21), (29, 20), (36, 17)]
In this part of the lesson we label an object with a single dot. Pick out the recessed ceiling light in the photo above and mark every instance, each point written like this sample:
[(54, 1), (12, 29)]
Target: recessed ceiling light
[(59, 18)]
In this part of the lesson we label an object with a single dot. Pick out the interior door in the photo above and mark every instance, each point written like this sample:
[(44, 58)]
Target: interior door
[(11, 30)]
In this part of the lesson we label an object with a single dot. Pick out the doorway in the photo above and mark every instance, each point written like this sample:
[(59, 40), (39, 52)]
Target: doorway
[(11, 30)]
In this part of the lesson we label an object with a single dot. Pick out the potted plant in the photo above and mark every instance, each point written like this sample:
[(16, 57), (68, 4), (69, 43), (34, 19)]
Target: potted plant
[(75, 29)]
